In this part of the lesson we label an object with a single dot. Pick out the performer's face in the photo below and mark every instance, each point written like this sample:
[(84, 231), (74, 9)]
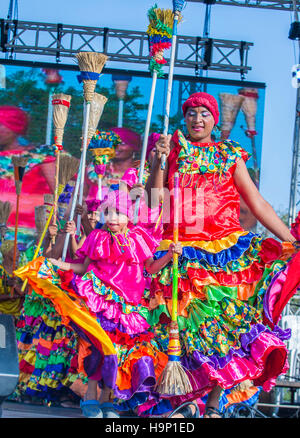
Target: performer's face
[(199, 122), (124, 151), (116, 221), (7, 136), (93, 217)]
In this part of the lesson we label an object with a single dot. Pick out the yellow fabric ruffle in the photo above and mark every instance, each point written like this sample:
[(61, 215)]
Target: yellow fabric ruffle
[(213, 246), (65, 306)]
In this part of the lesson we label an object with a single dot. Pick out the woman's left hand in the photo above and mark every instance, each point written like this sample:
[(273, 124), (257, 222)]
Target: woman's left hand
[(175, 248), (60, 264), (136, 191)]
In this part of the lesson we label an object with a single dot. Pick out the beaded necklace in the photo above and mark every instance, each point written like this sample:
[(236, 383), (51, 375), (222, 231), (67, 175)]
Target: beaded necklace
[(126, 239), (206, 157)]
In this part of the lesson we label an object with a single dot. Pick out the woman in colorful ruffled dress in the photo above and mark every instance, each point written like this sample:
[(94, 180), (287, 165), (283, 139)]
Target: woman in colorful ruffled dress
[(232, 284), (100, 299)]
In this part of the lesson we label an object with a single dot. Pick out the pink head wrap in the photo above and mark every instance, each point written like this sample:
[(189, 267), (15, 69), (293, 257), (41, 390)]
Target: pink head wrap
[(129, 137), (152, 139), (14, 118), (93, 204), (202, 99), (119, 200)]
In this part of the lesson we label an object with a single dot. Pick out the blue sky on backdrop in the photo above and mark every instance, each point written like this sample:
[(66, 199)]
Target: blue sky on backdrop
[(271, 59)]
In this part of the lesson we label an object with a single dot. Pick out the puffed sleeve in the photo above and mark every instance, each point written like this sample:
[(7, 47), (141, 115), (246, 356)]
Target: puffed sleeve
[(96, 245), (233, 152), (145, 243)]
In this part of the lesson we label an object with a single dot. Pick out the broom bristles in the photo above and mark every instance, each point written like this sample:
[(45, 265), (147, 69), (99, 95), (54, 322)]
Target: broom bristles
[(5, 210), (96, 110), (19, 161), (60, 115), (68, 167), (243, 386), (173, 380), (166, 16), (92, 62), (40, 218)]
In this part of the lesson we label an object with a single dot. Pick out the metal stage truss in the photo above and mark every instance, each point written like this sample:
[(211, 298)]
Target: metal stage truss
[(63, 41), (262, 4)]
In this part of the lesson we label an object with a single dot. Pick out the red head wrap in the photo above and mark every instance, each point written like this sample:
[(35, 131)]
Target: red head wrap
[(202, 99), (129, 137), (14, 119)]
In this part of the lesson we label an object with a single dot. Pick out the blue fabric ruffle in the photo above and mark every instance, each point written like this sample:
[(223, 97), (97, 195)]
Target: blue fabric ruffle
[(221, 258)]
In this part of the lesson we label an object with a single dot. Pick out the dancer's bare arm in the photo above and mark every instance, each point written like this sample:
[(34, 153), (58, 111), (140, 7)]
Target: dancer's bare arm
[(77, 268), (153, 266), (260, 208)]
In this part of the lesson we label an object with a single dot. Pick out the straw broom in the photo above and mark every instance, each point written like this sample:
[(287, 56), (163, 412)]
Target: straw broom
[(67, 169), (160, 35), (90, 66), (97, 107), (40, 219), (61, 105), (177, 8), (96, 111), (174, 380), (5, 210), (19, 164)]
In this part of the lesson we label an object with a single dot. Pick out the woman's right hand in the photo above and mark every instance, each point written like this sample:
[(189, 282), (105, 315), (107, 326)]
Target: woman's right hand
[(70, 228), (163, 145), (64, 266)]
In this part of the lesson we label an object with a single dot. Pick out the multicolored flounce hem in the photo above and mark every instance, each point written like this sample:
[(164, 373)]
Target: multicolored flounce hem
[(115, 345), (228, 327), (48, 358)]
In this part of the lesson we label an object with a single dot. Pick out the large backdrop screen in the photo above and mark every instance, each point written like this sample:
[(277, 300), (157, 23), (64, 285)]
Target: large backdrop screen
[(241, 108)]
